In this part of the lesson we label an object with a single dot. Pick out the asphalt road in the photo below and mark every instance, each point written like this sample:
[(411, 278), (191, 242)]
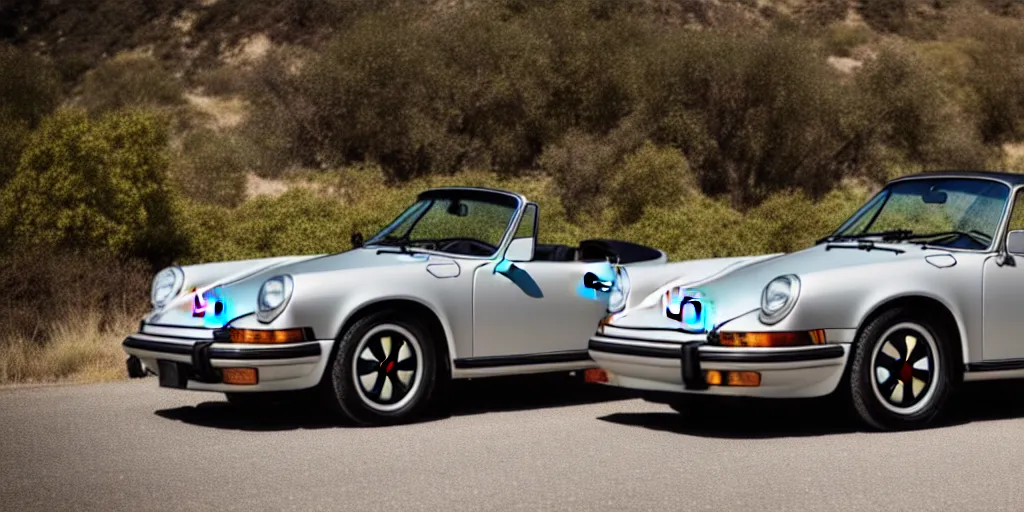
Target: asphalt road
[(514, 444)]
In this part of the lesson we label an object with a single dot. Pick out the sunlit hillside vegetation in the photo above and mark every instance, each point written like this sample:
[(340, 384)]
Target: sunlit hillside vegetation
[(136, 134)]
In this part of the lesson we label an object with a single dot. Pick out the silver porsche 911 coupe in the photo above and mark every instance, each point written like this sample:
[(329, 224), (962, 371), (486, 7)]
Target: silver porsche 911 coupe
[(455, 287), (921, 289)]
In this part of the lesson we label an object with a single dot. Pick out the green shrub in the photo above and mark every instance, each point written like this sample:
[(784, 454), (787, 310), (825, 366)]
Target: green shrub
[(840, 39), (650, 177), (886, 15), (28, 91), (39, 279), (907, 106), (740, 109), (211, 167), (93, 185), (997, 74), (130, 81)]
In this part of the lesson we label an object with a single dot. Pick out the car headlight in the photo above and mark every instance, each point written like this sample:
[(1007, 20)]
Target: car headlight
[(619, 292), (166, 285), (273, 297), (778, 298)]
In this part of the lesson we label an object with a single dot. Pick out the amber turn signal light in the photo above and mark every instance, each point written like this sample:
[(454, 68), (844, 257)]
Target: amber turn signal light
[(732, 378), (772, 339), (242, 376), (267, 336), (595, 376)]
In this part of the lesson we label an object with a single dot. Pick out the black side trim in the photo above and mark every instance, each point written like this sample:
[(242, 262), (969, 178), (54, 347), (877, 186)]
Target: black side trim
[(673, 352), (496, 361), (306, 349), (995, 366)]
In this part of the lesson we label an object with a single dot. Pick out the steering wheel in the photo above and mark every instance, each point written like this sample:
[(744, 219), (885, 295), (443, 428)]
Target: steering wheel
[(468, 246)]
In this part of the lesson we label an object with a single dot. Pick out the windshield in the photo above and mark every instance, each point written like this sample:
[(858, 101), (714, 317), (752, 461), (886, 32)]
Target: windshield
[(465, 222), (946, 212)]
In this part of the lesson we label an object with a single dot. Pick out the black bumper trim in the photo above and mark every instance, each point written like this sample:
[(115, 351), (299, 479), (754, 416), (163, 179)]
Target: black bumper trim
[(666, 352), (673, 352), (207, 351)]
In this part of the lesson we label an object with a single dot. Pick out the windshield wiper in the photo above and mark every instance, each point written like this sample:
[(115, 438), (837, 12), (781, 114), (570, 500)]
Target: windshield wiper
[(976, 236), (865, 245), (401, 244), (894, 234)]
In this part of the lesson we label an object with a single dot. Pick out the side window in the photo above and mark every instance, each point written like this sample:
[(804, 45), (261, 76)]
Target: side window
[(528, 223), (1017, 214)]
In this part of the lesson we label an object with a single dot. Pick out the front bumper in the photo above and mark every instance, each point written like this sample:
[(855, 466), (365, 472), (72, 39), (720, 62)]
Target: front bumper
[(679, 365), (202, 356)]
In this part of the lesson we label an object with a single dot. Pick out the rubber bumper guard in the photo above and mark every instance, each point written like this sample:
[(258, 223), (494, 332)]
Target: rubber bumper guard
[(202, 370), (693, 376)]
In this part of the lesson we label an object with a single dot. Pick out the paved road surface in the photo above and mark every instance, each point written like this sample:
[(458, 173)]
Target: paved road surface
[(510, 445)]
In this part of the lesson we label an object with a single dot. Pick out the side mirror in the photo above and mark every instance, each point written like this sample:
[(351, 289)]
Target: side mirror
[(520, 249), (1015, 242), (357, 240), (590, 280)]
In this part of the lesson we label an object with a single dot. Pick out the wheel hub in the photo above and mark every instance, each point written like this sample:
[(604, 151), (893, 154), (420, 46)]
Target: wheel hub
[(386, 367), (903, 368)]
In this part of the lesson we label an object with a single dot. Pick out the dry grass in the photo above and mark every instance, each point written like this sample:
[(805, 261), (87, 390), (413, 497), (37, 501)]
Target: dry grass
[(83, 347), (64, 315)]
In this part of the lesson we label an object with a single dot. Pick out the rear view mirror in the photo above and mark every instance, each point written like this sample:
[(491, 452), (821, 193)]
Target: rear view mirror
[(458, 209), (357, 240), (1015, 242), (935, 197)]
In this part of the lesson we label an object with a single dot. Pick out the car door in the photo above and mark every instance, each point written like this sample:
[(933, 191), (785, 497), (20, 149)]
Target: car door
[(1003, 302), (534, 307)]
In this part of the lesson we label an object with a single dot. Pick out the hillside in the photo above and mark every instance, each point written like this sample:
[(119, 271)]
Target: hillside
[(140, 133)]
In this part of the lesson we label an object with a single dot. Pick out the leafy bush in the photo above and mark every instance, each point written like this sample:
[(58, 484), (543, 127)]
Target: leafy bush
[(474, 87), (38, 280), (885, 15), (582, 167), (840, 38), (997, 74), (211, 167), (650, 177), (908, 109), (130, 81), (28, 91), (739, 109), (92, 184)]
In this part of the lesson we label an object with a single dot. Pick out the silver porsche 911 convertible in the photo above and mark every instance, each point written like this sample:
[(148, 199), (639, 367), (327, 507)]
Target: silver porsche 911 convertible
[(455, 287), (921, 289)]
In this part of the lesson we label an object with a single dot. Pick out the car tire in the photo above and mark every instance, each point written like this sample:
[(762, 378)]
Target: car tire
[(384, 371), (900, 373)]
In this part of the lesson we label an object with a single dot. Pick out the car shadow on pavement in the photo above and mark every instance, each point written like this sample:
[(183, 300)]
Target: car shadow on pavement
[(465, 397), (762, 419)]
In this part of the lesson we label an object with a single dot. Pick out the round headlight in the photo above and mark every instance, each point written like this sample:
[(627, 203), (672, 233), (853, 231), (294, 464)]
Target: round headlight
[(778, 298), (273, 297), (620, 291), (166, 285)]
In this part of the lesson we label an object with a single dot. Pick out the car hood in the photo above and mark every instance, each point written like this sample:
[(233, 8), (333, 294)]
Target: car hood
[(237, 286), (738, 292)]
